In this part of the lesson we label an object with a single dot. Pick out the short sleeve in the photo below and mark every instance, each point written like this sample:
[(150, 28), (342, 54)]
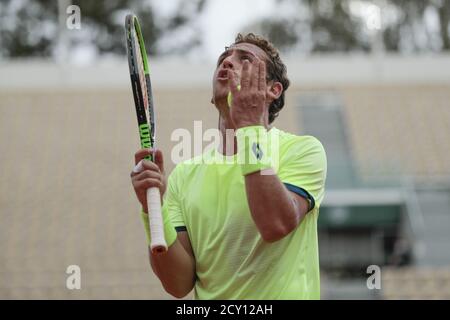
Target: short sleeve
[(172, 205), (303, 169)]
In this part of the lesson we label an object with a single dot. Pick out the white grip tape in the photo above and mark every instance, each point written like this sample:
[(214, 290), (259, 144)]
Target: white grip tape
[(158, 241)]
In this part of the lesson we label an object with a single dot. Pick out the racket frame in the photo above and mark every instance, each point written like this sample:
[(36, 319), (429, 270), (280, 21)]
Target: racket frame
[(146, 124)]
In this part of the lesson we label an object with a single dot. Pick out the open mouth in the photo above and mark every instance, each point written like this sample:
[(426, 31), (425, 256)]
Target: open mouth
[(222, 75)]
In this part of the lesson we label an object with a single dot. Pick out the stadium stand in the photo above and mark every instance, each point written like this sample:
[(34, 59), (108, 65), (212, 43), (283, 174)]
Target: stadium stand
[(388, 188), (65, 196)]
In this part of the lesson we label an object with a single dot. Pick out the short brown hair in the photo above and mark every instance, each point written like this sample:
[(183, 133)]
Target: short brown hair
[(276, 69)]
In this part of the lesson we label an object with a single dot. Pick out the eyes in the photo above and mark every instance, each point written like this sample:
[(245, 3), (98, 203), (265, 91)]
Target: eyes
[(242, 57), (246, 57)]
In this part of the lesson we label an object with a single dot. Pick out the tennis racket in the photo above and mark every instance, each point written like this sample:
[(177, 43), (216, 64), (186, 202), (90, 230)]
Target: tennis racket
[(143, 101)]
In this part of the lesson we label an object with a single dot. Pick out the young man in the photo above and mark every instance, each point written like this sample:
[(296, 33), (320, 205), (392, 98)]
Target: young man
[(242, 229)]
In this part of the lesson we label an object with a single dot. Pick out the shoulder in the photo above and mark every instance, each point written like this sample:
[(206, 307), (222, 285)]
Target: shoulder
[(299, 145)]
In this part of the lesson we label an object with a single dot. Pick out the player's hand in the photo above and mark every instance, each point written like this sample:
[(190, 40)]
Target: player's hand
[(151, 175), (249, 103)]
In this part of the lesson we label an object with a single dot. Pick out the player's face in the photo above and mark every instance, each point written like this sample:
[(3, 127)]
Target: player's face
[(233, 59)]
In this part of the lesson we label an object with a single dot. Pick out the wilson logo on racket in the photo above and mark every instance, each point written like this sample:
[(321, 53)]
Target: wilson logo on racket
[(257, 151), (144, 132)]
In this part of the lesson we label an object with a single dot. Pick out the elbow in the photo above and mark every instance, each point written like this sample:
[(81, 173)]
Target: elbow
[(279, 225), (273, 236), (270, 237), (179, 289), (178, 293), (275, 233)]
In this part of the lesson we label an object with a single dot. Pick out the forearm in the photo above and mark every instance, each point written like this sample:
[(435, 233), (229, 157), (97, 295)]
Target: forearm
[(175, 269), (273, 209)]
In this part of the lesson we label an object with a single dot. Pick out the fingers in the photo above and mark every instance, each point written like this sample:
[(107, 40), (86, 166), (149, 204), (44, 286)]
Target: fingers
[(141, 154), (149, 165), (147, 183), (255, 74), (232, 82), (138, 168), (262, 76), (245, 77), (159, 160), (143, 164), (147, 174), (147, 179)]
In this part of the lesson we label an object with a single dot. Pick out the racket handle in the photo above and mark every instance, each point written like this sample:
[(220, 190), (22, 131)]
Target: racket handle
[(158, 242)]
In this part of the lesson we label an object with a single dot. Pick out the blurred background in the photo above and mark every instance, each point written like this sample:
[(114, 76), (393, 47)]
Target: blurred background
[(370, 79)]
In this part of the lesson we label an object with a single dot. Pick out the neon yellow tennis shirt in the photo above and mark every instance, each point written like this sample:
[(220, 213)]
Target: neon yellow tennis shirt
[(232, 260)]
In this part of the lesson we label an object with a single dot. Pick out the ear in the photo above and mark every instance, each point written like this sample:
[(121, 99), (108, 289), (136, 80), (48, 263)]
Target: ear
[(212, 100), (274, 90)]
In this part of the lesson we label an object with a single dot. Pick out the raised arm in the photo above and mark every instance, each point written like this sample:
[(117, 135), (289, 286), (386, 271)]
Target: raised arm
[(275, 210)]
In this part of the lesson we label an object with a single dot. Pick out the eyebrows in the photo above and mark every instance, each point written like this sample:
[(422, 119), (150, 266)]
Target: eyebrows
[(229, 50), (245, 52)]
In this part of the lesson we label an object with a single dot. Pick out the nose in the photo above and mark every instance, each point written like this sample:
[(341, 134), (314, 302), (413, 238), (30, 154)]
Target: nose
[(227, 63)]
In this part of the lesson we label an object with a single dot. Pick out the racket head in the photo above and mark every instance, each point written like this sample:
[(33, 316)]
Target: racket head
[(140, 82)]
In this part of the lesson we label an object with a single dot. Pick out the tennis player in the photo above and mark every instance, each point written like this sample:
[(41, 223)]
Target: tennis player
[(242, 229)]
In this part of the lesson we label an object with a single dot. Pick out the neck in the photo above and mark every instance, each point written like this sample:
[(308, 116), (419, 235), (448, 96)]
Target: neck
[(228, 142)]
